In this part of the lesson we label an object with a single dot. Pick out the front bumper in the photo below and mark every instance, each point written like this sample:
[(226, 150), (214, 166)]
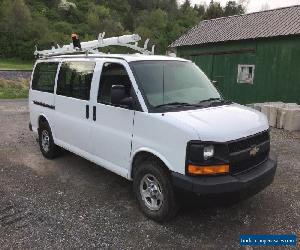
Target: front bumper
[(252, 181)]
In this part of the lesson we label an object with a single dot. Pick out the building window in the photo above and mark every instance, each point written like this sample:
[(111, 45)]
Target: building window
[(245, 74)]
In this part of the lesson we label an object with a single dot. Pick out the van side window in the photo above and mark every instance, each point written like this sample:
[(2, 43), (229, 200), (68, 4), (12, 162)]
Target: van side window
[(112, 74), (74, 79), (44, 77)]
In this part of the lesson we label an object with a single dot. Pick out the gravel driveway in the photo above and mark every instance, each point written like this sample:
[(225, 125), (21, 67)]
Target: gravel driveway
[(72, 203)]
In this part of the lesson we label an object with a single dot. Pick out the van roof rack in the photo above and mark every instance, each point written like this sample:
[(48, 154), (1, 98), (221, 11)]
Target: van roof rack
[(91, 47)]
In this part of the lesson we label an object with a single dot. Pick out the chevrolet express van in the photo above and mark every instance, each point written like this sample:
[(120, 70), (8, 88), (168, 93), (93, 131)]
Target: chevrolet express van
[(155, 120)]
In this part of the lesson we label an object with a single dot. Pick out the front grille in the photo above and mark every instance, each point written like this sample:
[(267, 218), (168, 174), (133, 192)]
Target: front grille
[(239, 152), (248, 164), (248, 142)]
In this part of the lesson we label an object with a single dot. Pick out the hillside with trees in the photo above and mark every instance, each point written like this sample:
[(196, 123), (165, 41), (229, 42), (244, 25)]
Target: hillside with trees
[(26, 23)]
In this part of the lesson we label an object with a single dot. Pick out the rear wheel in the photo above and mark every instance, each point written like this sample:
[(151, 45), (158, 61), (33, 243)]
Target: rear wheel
[(47, 146), (154, 191)]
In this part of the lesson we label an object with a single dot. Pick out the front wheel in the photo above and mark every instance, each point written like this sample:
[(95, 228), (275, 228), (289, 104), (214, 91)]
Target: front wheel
[(154, 191)]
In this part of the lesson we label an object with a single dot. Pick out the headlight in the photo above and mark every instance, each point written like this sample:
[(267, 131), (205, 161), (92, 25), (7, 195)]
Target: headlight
[(208, 152), (204, 158)]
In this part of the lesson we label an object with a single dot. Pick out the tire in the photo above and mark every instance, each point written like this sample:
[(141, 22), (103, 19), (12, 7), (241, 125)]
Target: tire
[(153, 180), (47, 146)]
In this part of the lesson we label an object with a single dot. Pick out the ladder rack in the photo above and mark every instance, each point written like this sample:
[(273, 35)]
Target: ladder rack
[(129, 41)]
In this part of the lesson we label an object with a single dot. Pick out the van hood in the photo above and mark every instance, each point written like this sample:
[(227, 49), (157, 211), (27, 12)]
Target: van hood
[(223, 123)]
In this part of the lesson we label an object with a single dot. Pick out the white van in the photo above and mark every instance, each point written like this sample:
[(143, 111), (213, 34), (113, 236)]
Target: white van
[(155, 120)]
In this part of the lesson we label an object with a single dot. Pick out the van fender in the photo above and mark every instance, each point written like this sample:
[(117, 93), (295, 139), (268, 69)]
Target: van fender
[(47, 119), (150, 151)]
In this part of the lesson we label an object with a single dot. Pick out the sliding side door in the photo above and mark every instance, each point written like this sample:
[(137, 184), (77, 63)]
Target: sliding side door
[(72, 126)]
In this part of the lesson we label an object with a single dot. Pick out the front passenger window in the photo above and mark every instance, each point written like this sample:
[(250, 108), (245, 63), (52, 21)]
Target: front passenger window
[(112, 74)]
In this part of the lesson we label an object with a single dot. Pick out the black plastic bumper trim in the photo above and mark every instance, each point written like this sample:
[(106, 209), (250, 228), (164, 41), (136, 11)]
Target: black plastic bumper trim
[(261, 176)]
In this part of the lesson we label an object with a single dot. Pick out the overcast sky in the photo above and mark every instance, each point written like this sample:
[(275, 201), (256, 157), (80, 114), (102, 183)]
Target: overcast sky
[(256, 5)]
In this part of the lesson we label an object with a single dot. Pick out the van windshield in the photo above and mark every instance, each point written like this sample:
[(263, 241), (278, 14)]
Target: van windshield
[(173, 82)]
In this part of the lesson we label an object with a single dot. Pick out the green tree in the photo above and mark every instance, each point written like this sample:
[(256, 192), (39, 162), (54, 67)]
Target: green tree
[(25, 23), (153, 25), (100, 20), (200, 10), (14, 25), (232, 8), (214, 10), (187, 16)]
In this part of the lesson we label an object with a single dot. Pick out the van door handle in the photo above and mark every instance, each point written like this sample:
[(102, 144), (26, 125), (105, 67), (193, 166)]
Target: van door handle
[(87, 111), (94, 113)]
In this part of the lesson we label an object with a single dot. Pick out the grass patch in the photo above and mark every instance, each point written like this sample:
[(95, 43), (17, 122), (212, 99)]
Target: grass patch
[(12, 89), (15, 64)]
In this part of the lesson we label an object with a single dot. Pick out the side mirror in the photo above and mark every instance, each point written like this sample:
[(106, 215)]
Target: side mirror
[(119, 97)]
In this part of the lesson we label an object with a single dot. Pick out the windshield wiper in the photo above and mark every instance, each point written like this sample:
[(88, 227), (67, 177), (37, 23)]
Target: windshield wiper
[(215, 100), (211, 99), (177, 104), (199, 104)]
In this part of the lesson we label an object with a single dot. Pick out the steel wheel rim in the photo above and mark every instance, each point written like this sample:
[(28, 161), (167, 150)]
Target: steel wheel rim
[(45, 140), (151, 192)]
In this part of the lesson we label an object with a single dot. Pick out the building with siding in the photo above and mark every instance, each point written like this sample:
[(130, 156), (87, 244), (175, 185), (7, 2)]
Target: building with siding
[(253, 57)]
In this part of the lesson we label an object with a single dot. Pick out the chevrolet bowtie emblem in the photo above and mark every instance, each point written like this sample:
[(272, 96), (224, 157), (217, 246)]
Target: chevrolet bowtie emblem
[(254, 151)]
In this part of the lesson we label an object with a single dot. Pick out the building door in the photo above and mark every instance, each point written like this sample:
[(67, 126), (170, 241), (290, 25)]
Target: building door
[(207, 65), (225, 73), (205, 62), (222, 68), (218, 75)]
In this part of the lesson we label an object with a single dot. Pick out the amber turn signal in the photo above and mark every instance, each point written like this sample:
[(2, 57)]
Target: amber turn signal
[(208, 170)]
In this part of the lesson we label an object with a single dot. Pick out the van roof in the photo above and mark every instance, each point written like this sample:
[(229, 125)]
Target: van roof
[(126, 57)]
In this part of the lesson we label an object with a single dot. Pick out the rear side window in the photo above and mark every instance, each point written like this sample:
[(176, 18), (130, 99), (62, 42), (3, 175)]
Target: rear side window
[(44, 77), (74, 79)]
